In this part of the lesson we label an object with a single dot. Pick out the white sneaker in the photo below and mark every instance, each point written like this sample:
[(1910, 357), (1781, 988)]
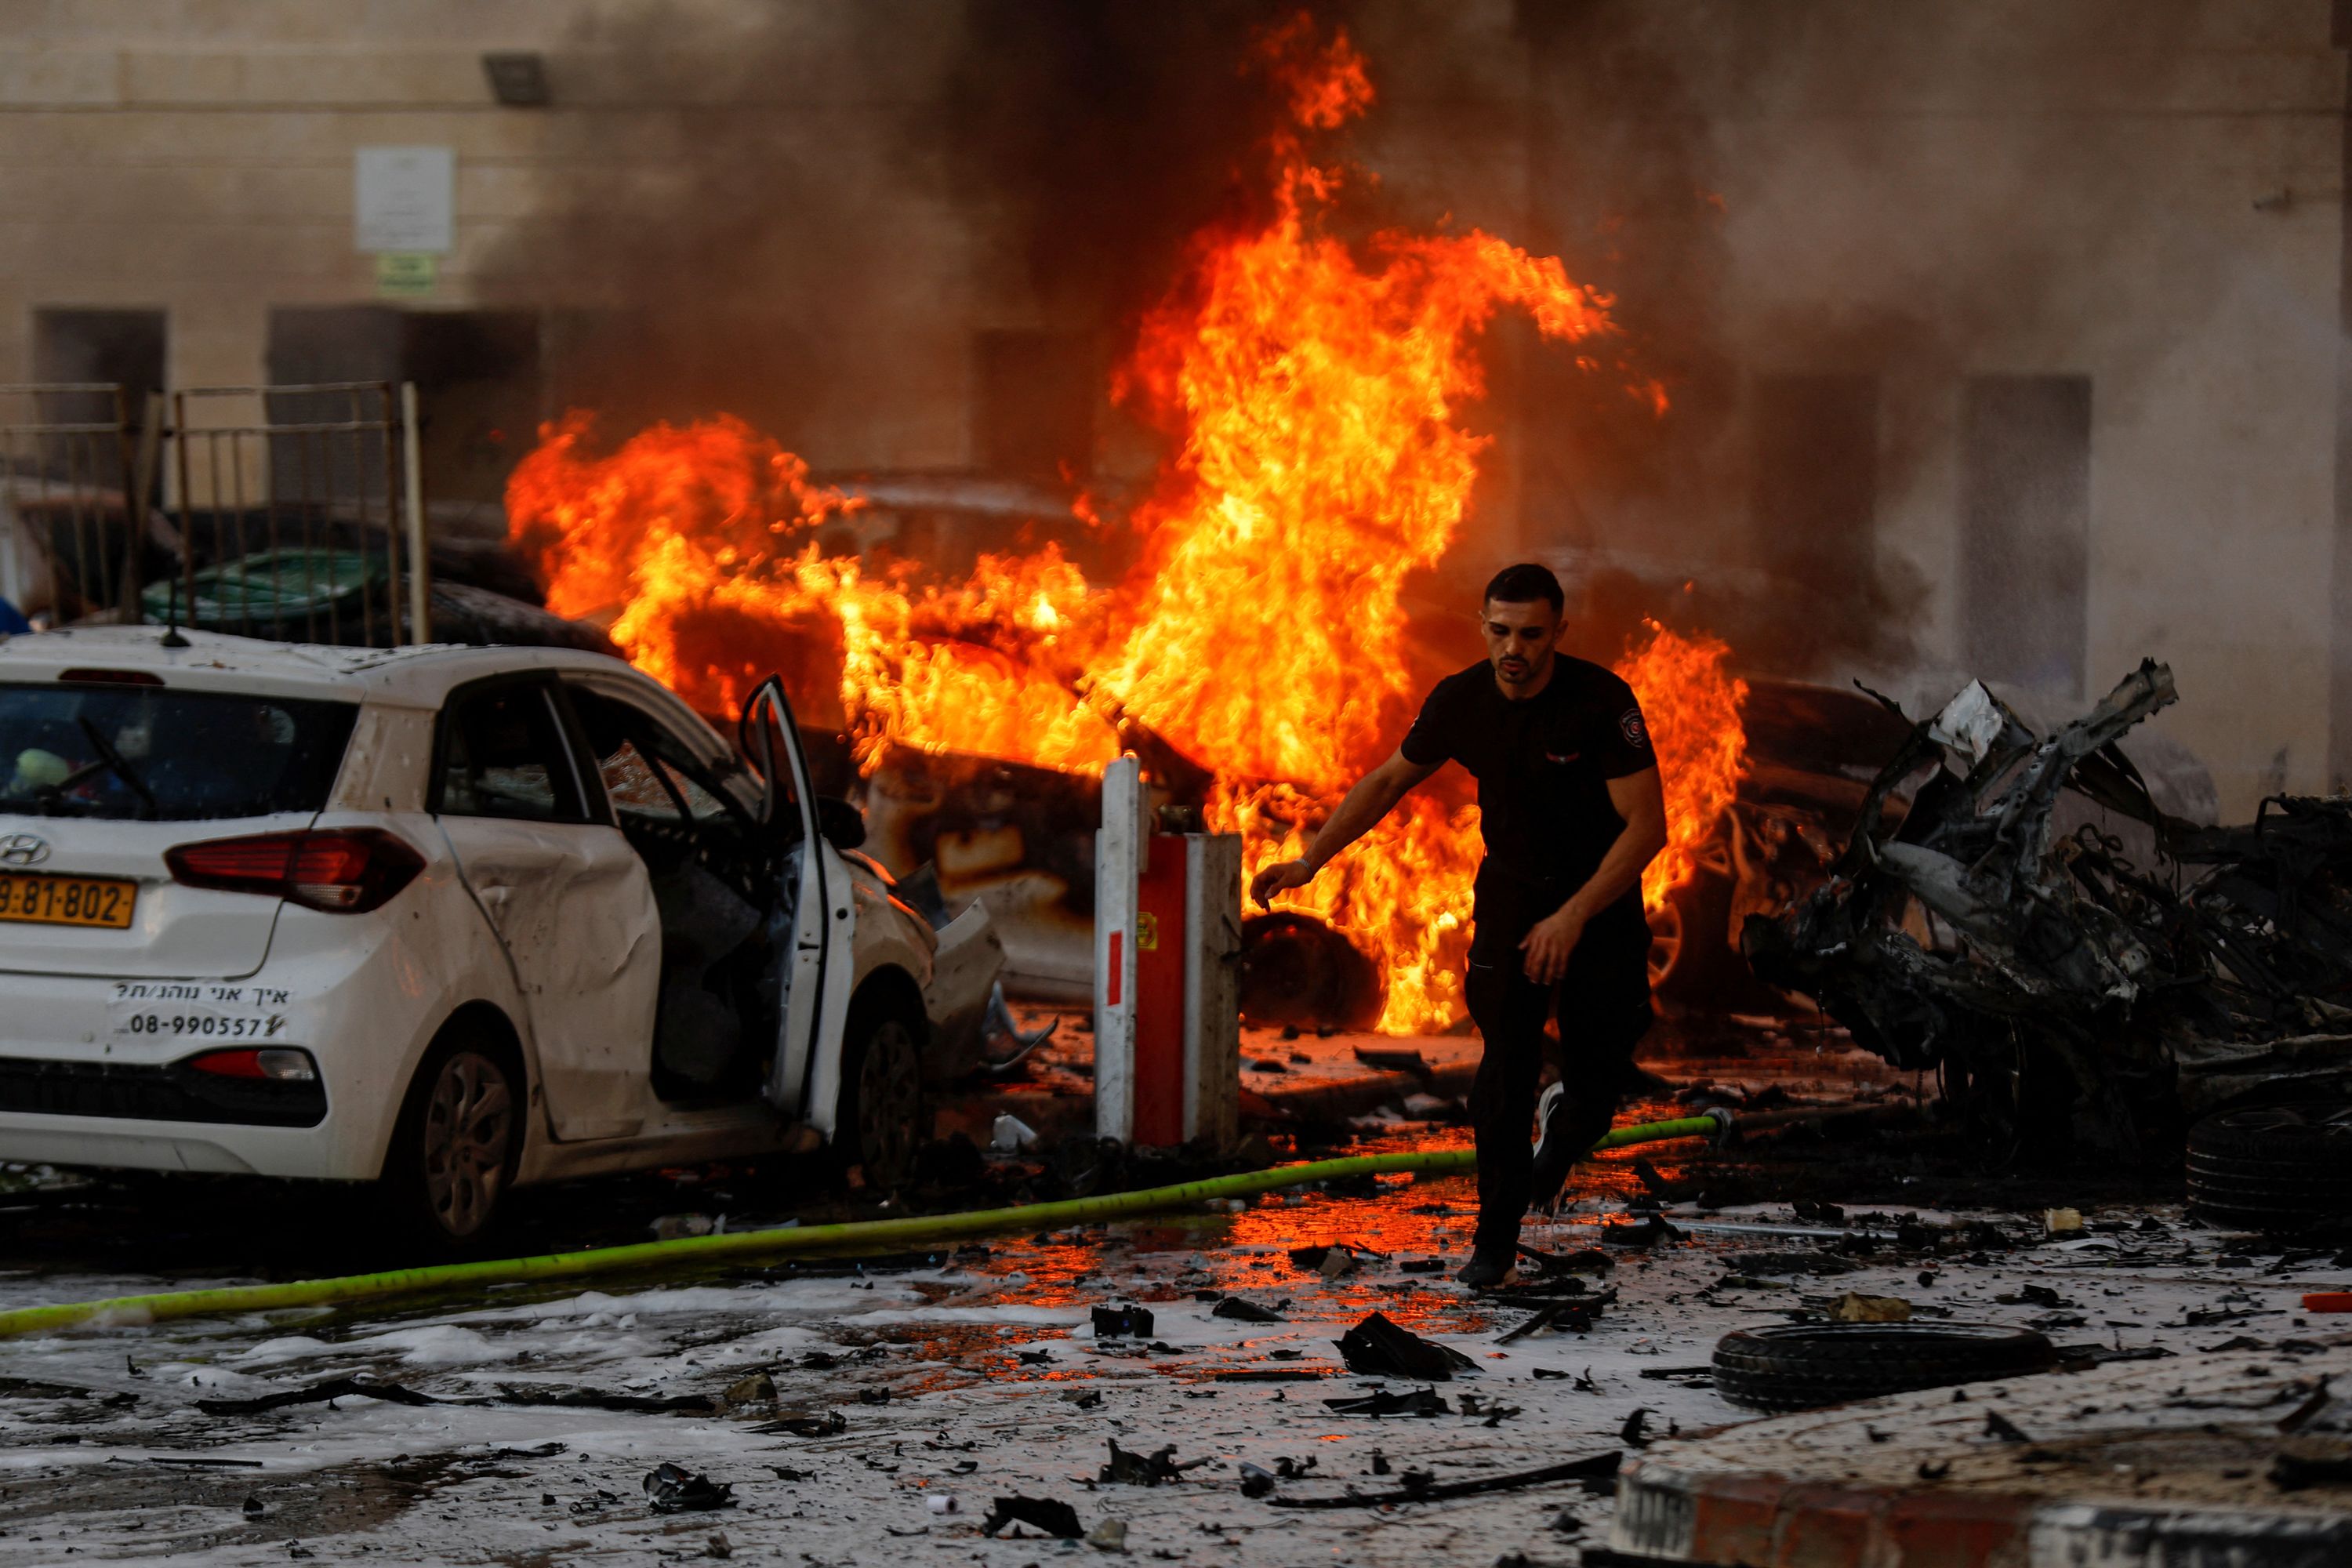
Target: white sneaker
[(1552, 1095), (1549, 1172)]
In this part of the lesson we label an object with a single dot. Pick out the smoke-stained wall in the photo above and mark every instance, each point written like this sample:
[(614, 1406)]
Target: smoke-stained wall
[(2075, 265), (1970, 311)]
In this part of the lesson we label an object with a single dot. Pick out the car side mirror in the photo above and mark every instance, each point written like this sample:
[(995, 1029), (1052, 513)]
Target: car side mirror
[(843, 824)]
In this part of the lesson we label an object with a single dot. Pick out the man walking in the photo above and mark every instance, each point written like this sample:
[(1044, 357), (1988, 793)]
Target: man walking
[(1571, 809)]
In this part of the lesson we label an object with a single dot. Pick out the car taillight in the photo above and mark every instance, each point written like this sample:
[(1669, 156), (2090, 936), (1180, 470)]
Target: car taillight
[(275, 1063), (344, 870)]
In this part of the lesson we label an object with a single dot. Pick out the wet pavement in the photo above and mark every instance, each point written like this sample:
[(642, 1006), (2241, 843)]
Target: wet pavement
[(863, 1411), (979, 1375)]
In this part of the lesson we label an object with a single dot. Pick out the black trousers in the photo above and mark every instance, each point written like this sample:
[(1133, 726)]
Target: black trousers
[(1603, 1006)]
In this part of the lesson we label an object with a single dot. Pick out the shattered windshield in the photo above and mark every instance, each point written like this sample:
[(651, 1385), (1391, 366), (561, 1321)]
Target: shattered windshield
[(151, 753)]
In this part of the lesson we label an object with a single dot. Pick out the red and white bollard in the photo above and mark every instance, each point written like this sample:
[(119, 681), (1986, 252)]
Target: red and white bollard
[(1166, 999)]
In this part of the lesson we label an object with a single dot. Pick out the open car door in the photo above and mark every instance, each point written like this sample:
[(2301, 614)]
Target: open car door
[(806, 1077)]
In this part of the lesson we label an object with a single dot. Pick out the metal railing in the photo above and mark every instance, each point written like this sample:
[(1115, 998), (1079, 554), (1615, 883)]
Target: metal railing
[(71, 459), (290, 513)]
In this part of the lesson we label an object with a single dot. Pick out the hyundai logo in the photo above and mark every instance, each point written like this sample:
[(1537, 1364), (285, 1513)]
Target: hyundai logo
[(22, 849)]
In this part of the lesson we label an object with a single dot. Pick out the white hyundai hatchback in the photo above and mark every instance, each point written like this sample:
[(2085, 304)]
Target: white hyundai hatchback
[(449, 919)]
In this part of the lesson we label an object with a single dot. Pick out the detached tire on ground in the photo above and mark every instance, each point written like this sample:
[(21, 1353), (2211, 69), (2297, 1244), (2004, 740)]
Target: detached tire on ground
[(882, 1120), (2273, 1168), (1805, 1366)]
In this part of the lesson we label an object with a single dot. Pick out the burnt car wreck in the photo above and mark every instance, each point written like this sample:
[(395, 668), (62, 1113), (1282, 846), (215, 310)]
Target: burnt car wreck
[(2073, 961)]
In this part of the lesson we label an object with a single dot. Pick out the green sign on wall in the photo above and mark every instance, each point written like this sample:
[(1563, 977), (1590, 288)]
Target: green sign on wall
[(405, 274)]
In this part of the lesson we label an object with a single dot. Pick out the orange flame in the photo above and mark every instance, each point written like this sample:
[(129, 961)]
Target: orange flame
[(1691, 704), (1312, 394)]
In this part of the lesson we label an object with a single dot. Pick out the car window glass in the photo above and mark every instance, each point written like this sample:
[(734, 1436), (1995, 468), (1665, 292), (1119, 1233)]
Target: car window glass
[(631, 783), (502, 755), (637, 755), (149, 751), (706, 806)]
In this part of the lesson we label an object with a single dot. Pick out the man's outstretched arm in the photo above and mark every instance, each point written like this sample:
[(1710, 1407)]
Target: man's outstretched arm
[(1375, 796), (1641, 800)]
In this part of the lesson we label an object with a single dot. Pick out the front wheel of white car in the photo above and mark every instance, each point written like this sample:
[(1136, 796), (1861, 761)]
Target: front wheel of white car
[(881, 1122), (454, 1151)]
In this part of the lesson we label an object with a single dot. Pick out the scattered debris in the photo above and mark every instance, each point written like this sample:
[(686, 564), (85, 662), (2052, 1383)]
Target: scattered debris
[(1011, 1135), (2292, 1472), (1331, 1262), (1585, 1260), (1255, 1482), (1632, 1434), (825, 1426), (757, 1388), (319, 1393), (1420, 1402), (1057, 1518), (1649, 1233), (536, 1451), (1598, 1466), (204, 1462), (1377, 1348), (1576, 1314), (1108, 1535), (1855, 1308), (1122, 1322), (2001, 1427), (672, 1489), (592, 1399), (1155, 1468), (1395, 1059), (1233, 1307)]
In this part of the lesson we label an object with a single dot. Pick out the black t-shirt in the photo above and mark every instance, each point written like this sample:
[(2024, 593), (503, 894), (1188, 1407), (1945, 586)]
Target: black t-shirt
[(1543, 765)]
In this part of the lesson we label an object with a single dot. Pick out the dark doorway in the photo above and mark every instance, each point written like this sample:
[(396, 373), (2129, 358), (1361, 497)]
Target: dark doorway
[(2025, 453), (1814, 481), (125, 347), (1034, 411), (477, 388)]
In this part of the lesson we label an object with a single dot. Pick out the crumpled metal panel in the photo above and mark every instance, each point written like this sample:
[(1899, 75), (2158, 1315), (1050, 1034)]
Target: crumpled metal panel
[(1972, 937)]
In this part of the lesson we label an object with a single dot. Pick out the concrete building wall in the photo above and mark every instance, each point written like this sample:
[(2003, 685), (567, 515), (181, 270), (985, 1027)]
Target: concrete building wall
[(2147, 196), (198, 158)]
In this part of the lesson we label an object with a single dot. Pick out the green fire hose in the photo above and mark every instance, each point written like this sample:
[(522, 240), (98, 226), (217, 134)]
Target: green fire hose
[(862, 1236)]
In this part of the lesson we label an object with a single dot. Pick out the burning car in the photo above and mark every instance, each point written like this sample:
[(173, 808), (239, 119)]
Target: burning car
[(450, 919)]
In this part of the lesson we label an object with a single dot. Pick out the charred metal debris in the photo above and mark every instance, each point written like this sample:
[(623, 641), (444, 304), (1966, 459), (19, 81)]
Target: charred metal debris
[(2117, 969)]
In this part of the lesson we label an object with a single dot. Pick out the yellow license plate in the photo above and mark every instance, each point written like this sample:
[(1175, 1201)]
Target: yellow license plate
[(42, 898)]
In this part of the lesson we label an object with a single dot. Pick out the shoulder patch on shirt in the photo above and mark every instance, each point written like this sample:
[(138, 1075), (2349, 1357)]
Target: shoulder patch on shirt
[(1630, 725)]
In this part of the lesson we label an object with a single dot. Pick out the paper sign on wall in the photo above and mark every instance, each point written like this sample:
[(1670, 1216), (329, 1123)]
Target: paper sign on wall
[(404, 199)]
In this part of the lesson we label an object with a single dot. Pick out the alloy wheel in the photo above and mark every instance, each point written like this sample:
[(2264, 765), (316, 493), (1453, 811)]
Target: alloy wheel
[(1665, 942), (468, 1134)]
